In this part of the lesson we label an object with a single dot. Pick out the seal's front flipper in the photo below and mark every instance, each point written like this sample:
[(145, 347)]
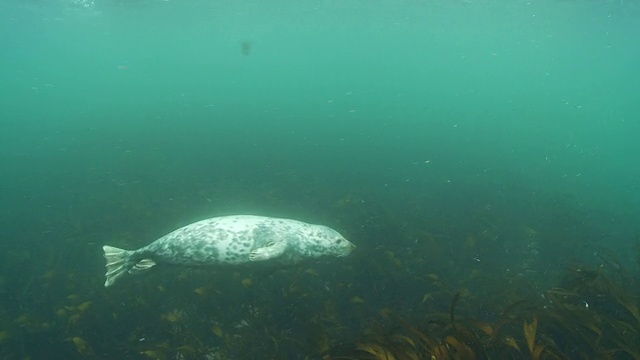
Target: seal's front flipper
[(272, 250)]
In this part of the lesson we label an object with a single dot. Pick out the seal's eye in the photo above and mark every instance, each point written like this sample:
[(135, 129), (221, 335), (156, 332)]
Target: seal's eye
[(339, 241)]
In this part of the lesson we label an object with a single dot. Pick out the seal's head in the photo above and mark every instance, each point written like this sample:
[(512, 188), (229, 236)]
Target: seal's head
[(332, 243), (343, 247)]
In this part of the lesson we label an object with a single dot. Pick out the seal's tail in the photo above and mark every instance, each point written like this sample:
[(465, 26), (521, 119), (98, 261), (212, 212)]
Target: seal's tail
[(118, 263), (121, 261)]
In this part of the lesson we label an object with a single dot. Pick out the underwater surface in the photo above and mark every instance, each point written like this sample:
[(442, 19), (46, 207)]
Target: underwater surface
[(482, 155)]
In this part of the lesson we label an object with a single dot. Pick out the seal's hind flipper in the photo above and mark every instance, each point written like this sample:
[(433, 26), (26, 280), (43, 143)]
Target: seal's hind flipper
[(141, 266), (118, 263)]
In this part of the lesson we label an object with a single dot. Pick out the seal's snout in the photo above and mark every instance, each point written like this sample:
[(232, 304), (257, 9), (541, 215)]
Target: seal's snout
[(346, 248)]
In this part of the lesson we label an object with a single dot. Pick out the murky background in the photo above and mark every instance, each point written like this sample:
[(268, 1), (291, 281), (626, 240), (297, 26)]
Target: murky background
[(481, 154)]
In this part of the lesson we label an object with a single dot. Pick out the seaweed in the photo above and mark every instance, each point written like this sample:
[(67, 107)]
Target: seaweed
[(592, 317)]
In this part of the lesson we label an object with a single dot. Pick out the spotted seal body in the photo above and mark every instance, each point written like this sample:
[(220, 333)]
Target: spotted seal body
[(230, 240)]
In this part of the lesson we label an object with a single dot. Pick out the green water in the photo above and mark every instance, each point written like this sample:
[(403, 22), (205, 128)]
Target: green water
[(441, 137)]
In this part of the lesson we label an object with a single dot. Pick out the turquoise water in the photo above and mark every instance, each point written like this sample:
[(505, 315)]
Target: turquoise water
[(447, 136)]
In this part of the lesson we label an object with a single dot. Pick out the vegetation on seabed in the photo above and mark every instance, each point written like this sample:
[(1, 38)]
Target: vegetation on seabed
[(438, 295), (591, 317), (592, 314)]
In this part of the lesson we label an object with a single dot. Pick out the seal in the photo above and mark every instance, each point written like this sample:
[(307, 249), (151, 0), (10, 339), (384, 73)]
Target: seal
[(230, 240)]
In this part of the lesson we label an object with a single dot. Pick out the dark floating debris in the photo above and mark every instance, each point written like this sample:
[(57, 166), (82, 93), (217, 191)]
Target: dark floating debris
[(245, 47)]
